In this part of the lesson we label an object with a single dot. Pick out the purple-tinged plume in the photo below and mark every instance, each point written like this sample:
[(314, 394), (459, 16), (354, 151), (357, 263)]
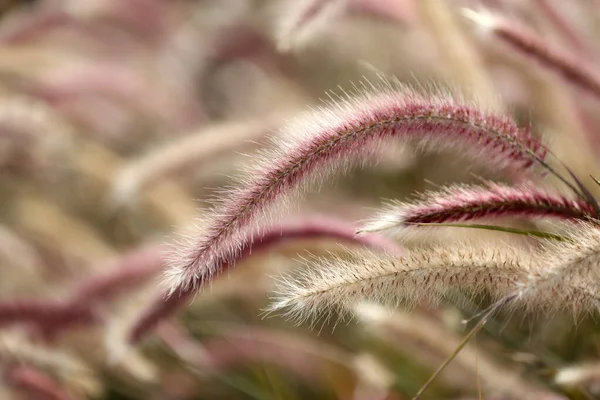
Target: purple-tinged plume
[(530, 45), (466, 203), (333, 138)]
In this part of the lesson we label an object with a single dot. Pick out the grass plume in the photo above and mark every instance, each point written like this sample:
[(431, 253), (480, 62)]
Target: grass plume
[(489, 202), (334, 138), (334, 285), (527, 43), (559, 276)]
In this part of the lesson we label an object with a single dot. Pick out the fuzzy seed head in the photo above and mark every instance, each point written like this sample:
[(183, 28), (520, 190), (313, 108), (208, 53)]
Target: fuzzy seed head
[(467, 203), (334, 286), (556, 277)]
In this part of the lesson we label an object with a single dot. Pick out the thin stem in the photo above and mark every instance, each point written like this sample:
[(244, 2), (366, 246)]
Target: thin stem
[(463, 343), (559, 176)]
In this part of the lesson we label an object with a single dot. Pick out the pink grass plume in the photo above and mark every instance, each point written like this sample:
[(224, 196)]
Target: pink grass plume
[(562, 25), (467, 203), (80, 305), (334, 138), (527, 43)]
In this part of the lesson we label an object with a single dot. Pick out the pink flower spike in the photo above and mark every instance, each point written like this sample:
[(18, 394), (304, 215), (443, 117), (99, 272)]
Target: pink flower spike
[(466, 203), (333, 138), (313, 227), (50, 316), (530, 45)]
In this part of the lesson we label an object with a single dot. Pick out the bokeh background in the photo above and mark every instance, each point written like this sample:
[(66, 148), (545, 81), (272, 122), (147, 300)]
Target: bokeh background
[(121, 119)]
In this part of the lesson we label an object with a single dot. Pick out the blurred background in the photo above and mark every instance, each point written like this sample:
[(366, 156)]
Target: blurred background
[(121, 119)]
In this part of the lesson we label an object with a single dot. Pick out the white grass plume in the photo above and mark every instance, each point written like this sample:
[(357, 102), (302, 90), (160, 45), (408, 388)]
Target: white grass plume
[(184, 155), (334, 285), (566, 275), (556, 277)]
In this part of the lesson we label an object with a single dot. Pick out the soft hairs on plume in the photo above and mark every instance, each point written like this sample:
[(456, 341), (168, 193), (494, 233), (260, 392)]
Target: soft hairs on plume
[(344, 133), (467, 203)]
